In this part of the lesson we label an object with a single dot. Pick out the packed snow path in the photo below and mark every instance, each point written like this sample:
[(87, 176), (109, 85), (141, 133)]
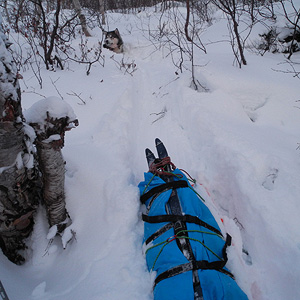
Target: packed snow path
[(239, 140)]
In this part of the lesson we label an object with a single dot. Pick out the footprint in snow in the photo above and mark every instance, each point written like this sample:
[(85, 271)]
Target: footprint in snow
[(270, 180)]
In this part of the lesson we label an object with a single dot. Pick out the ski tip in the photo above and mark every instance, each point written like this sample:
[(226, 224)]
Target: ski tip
[(149, 156), (158, 141), (148, 152)]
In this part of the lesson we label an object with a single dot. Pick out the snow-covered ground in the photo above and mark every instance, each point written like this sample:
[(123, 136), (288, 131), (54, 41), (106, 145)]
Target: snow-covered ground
[(239, 140)]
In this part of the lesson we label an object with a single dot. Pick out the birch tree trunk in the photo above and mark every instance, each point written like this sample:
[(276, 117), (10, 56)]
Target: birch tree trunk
[(102, 11), (52, 166), (20, 185), (81, 17), (50, 118)]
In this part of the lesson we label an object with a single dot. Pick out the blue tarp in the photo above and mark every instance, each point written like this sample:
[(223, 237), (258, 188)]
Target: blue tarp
[(163, 253)]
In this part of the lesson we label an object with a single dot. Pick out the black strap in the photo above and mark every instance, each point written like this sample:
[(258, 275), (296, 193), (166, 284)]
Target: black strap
[(175, 218), (227, 244), (159, 232), (162, 188), (195, 265)]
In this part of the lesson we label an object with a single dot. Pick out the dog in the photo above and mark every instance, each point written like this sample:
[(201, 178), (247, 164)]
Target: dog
[(113, 41)]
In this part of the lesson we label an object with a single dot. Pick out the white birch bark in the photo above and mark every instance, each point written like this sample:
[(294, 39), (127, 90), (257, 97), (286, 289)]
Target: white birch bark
[(19, 176), (81, 17), (102, 11)]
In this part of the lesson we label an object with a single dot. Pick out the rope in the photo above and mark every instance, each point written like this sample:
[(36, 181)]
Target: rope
[(148, 184), (189, 176), (197, 194), (165, 243), (175, 175), (191, 180), (174, 237), (157, 167)]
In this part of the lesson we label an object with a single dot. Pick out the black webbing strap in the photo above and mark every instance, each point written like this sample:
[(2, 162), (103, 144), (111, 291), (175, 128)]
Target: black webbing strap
[(159, 232), (164, 187), (227, 243), (175, 218), (195, 265)]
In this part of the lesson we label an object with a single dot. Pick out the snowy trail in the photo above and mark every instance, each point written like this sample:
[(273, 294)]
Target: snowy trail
[(113, 164), (238, 140), (117, 143), (116, 219)]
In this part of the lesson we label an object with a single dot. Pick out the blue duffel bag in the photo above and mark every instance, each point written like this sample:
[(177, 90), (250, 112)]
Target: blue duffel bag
[(183, 244)]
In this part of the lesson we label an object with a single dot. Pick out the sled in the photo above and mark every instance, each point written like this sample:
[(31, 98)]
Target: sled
[(183, 243)]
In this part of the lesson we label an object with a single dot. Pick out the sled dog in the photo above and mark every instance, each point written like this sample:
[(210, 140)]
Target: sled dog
[(113, 41)]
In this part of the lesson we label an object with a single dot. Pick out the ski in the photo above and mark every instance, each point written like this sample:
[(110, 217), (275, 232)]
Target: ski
[(162, 153), (174, 207), (150, 157), (160, 148)]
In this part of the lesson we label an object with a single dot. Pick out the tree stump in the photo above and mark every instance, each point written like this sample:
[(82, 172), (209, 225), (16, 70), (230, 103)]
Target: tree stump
[(51, 118)]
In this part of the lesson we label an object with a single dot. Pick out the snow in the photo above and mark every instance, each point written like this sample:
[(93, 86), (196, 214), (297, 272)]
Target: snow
[(239, 140), (52, 107), (52, 232), (7, 70)]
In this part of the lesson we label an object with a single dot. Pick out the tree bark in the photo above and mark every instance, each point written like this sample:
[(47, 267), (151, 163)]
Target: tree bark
[(81, 17), (52, 166), (49, 142), (102, 11), (187, 21), (229, 7), (49, 48), (20, 184), (238, 39)]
